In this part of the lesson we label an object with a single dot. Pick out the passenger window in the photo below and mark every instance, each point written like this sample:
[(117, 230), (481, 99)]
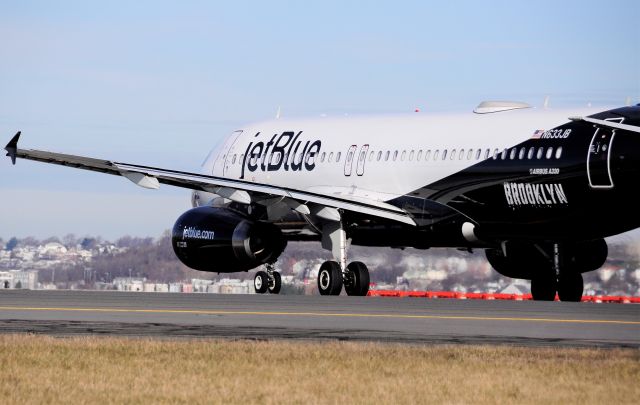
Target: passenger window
[(532, 150), (444, 154), (470, 154), (404, 155), (274, 157), (453, 154), (330, 157), (504, 154), (338, 157), (523, 150), (324, 154), (512, 155), (379, 155), (233, 161), (386, 156), (540, 152), (486, 154), (371, 156), (495, 154), (427, 155), (419, 155), (311, 158), (461, 154), (411, 156), (550, 152), (435, 154), (559, 152), (395, 155)]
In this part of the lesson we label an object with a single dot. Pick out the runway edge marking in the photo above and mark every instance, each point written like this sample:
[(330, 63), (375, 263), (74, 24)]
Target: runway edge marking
[(321, 314)]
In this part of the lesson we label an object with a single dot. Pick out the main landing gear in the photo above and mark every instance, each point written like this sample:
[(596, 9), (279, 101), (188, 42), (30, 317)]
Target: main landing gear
[(268, 280), (355, 279), (333, 275), (561, 278)]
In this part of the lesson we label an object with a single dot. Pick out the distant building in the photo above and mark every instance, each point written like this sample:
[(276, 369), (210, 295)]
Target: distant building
[(149, 287), (162, 287), (200, 285), (19, 279), (52, 251), (129, 283), (517, 289)]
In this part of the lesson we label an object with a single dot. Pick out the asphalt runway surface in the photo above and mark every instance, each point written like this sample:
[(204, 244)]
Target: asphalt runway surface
[(401, 320)]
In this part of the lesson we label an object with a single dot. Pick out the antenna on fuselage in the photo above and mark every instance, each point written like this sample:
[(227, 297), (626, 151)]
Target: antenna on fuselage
[(627, 102), (278, 113), (545, 105)]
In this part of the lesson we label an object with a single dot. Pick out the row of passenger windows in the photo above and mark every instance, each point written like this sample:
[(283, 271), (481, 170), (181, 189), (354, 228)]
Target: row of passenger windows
[(462, 154)]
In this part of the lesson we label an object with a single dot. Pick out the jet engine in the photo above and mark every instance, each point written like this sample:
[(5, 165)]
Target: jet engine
[(224, 241), (525, 260)]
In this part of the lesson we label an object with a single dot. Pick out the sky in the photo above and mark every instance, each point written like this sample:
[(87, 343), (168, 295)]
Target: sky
[(160, 83)]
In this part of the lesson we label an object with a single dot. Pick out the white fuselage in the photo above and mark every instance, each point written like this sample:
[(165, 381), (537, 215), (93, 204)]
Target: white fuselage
[(377, 158)]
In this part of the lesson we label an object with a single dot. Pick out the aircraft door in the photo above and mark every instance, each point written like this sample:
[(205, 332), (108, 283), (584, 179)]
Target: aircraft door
[(362, 158), (348, 161), (225, 155), (599, 157)]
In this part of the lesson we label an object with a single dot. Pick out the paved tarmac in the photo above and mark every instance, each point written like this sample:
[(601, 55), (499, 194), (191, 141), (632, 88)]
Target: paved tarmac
[(402, 320)]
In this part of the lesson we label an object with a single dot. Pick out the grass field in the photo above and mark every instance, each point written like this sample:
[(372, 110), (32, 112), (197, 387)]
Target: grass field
[(37, 369)]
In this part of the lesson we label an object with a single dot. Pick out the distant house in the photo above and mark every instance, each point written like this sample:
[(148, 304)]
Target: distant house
[(52, 251), (517, 289)]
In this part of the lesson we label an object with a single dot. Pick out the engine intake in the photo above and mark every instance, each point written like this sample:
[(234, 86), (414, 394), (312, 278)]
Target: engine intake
[(221, 240)]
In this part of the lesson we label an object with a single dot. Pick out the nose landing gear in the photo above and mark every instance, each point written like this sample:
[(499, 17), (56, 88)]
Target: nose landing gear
[(269, 280)]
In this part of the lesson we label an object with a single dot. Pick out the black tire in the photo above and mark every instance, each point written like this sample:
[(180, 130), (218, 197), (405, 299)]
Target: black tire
[(358, 279), (261, 282), (570, 287), (330, 278), (276, 285), (543, 287)]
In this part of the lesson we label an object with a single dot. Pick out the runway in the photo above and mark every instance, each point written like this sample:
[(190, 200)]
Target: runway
[(402, 320)]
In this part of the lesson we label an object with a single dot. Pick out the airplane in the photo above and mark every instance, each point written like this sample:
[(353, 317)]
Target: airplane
[(537, 189)]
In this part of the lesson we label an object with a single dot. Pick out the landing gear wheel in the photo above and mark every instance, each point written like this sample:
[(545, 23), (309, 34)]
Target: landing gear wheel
[(261, 282), (358, 279), (570, 287), (543, 288), (275, 284), (330, 278)]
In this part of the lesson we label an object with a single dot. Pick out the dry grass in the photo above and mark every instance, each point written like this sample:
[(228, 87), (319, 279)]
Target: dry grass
[(37, 369)]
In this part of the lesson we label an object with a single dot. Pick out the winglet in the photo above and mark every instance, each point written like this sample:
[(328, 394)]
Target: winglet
[(12, 147)]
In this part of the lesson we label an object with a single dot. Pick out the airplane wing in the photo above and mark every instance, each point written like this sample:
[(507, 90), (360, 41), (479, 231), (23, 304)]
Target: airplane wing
[(325, 206)]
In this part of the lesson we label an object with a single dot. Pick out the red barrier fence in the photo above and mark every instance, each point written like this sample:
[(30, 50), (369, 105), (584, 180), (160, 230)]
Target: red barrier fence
[(493, 296)]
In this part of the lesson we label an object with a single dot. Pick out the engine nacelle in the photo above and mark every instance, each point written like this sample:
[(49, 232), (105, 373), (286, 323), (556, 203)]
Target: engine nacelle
[(525, 260), (588, 256), (224, 241)]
